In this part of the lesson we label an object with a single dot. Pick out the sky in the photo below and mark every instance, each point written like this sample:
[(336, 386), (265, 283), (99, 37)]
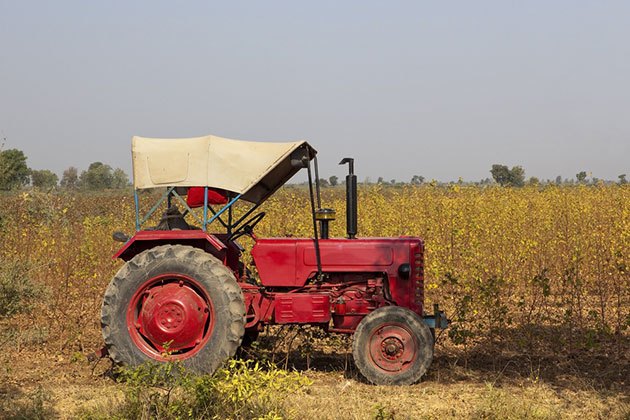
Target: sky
[(438, 89)]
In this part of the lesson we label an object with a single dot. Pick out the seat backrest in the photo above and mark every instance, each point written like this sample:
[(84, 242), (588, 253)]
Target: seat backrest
[(194, 198)]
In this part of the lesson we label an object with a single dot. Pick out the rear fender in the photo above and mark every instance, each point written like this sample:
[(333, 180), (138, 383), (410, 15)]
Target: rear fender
[(147, 239)]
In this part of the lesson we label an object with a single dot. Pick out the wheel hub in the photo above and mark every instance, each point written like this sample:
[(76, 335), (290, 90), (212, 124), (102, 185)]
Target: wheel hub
[(172, 317), (392, 348)]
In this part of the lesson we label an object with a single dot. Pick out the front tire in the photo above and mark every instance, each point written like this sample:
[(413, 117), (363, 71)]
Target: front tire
[(392, 346), (173, 302)]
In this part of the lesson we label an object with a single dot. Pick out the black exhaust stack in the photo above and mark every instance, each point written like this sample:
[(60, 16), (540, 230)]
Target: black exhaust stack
[(351, 198)]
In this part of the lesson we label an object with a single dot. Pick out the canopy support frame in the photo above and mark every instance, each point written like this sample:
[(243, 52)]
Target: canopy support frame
[(315, 231), (167, 196)]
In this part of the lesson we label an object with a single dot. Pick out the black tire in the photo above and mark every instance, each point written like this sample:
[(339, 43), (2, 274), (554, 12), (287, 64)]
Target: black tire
[(214, 284), (392, 346)]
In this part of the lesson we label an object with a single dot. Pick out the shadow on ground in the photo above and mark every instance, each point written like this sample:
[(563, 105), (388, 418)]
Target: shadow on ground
[(17, 404), (602, 364)]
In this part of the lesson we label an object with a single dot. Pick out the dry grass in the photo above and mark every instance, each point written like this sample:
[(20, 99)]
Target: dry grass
[(512, 388), (459, 393)]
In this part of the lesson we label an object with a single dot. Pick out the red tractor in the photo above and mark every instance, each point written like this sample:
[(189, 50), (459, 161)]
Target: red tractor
[(184, 293)]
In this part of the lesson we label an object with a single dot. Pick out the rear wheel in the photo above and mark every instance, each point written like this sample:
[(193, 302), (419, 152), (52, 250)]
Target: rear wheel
[(173, 302), (392, 346)]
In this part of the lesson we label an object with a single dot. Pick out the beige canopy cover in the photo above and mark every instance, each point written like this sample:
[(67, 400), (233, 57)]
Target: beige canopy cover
[(254, 169)]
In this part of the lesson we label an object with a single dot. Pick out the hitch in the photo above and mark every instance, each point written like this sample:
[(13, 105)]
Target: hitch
[(438, 320)]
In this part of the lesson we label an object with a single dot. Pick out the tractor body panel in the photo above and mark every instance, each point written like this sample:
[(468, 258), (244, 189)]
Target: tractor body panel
[(302, 308), (291, 262)]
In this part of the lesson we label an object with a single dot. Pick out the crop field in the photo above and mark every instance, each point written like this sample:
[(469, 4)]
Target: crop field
[(536, 281)]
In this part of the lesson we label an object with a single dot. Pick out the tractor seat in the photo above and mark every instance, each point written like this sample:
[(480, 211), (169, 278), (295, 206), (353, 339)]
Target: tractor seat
[(172, 219), (215, 196)]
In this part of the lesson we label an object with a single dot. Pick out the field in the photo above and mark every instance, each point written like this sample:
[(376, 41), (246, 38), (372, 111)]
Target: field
[(536, 281)]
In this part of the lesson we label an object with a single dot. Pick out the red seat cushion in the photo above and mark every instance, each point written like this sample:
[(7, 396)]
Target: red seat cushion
[(215, 196)]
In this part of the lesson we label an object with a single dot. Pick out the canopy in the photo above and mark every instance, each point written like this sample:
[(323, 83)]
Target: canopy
[(253, 169)]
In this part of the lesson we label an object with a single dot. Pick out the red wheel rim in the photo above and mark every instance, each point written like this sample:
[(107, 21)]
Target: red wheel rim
[(170, 317), (392, 348)]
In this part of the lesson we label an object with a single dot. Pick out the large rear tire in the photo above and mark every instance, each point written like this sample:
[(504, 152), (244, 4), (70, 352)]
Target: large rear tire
[(392, 346), (173, 302)]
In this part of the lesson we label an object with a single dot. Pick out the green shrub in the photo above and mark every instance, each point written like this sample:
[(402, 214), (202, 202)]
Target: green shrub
[(381, 412), (17, 291), (241, 389)]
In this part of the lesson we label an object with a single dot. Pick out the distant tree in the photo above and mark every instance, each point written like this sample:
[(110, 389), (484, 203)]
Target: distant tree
[(70, 178), (559, 179), (581, 176), (13, 170), (120, 179), (533, 181), (323, 182), (98, 177), (622, 179), (417, 179), (333, 180), (380, 180), (392, 181), (517, 176), (44, 179), (504, 176), (501, 174)]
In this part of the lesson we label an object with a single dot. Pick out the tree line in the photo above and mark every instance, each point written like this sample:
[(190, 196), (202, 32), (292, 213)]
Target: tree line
[(515, 177), (501, 175), (15, 174)]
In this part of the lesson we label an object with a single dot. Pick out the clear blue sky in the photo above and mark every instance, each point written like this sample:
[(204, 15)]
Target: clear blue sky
[(439, 89)]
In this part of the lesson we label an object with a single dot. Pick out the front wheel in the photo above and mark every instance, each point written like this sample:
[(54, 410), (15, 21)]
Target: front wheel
[(392, 346), (173, 302)]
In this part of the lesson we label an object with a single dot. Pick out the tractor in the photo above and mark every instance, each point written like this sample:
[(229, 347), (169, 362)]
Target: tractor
[(185, 294)]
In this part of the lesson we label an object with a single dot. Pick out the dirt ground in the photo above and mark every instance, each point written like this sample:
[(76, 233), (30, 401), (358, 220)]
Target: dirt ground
[(37, 384)]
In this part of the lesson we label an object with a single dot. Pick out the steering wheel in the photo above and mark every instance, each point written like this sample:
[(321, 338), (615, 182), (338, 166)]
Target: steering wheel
[(247, 228)]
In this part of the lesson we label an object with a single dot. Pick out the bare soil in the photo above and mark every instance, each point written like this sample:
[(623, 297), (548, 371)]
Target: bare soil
[(46, 384)]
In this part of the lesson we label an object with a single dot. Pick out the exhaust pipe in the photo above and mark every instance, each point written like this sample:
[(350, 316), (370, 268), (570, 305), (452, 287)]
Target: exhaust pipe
[(351, 199)]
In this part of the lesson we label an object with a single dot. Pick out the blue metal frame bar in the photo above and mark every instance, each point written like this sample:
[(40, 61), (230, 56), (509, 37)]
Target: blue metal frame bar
[(219, 219), (137, 203), (205, 209), (189, 210), (155, 207), (217, 214)]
